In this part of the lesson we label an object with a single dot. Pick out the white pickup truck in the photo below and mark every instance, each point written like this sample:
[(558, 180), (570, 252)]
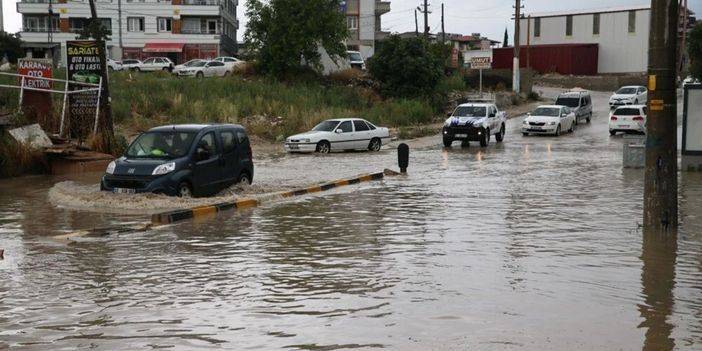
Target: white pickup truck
[(474, 122)]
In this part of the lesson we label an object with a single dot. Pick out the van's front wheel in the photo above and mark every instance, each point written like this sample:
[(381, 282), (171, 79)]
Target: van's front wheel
[(184, 190)]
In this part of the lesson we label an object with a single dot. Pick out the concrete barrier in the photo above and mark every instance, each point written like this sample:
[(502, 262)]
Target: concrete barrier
[(209, 210)]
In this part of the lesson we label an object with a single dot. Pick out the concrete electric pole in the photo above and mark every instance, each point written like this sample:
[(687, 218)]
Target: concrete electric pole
[(416, 24), (661, 172), (426, 18), (515, 64), (443, 30), (106, 126)]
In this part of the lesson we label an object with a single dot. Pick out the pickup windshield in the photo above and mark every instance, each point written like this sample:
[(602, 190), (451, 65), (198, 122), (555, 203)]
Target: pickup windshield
[(326, 126), (547, 112), (161, 145), (568, 101), (470, 111)]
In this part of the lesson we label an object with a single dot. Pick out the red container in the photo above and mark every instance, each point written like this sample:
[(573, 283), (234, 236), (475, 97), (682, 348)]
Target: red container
[(576, 59)]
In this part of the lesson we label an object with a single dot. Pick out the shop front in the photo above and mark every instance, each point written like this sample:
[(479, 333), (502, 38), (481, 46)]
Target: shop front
[(177, 52)]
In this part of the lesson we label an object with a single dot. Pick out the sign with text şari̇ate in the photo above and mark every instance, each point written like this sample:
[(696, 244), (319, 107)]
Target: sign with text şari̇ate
[(82, 65)]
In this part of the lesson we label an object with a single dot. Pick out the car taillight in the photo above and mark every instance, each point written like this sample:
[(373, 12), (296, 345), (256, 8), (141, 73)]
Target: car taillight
[(613, 118), (638, 118)]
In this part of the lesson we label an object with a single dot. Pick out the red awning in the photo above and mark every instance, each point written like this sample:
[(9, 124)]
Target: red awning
[(163, 47)]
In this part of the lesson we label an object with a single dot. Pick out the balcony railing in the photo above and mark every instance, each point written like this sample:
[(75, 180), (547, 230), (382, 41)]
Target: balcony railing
[(200, 31), (36, 1), (201, 2)]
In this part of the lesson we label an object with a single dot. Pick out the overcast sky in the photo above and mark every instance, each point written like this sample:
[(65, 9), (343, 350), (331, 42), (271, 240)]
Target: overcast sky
[(489, 17)]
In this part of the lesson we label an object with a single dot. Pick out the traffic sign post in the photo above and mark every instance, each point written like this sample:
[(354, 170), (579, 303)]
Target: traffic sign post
[(481, 63)]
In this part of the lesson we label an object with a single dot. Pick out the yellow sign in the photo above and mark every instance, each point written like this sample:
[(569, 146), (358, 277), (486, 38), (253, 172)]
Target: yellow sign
[(657, 105), (63, 11), (652, 82), (176, 12)]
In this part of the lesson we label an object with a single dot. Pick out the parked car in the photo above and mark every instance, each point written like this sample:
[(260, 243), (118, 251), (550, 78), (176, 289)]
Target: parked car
[(474, 122), (629, 95), (178, 68), (183, 160), (356, 60), (156, 64), (204, 69), (628, 119), (690, 80), (339, 134), (130, 64), (113, 65), (549, 119), (230, 62), (579, 102)]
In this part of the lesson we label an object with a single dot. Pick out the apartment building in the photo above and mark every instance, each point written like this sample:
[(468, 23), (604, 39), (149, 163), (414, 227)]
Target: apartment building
[(179, 29), (621, 34), (363, 20)]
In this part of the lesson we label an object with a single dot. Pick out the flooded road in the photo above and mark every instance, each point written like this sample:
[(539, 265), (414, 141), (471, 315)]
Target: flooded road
[(533, 244)]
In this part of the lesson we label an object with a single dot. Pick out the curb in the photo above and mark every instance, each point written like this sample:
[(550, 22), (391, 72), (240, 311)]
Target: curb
[(203, 211)]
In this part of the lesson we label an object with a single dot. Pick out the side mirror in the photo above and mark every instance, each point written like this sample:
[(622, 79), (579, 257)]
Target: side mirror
[(564, 115), (339, 131)]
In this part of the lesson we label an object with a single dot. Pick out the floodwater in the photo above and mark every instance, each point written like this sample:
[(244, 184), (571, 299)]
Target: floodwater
[(533, 244)]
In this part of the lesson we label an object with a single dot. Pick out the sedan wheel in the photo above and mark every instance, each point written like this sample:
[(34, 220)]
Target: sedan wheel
[(375, 145), (323, 147)]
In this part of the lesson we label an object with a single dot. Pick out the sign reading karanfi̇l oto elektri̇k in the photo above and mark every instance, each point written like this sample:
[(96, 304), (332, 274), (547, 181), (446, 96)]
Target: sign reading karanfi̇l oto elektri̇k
[(40, 68), (82, 65)]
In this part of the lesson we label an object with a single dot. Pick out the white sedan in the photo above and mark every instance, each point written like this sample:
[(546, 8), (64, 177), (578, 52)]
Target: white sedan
[(549, 119), (130, 64), (230, 62), (204, 69), (629, 95), (338, 135), (114, 65), (628, 119), (185, 65), (156, 64)]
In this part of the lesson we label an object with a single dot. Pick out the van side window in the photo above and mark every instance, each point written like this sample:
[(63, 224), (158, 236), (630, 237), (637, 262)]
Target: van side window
[(207, 143), (228, 141), (240, 137)]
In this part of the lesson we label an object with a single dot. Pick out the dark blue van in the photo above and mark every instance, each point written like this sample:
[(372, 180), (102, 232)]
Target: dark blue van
[(183, 160)]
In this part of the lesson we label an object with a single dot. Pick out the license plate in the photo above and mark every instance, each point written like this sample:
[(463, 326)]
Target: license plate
[(124, 191), (624, 125), (461, 135), (536, 128), (294, 147)]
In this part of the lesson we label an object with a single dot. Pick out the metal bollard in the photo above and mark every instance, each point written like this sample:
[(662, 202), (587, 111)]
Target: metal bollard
[(403, 157)]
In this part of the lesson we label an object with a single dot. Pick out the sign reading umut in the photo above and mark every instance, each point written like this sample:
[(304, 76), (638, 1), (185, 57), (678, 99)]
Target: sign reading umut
[(480, 62)]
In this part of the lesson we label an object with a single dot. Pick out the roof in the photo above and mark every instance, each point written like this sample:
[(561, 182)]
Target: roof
[(591, 11), (476, 104), (191, 127)]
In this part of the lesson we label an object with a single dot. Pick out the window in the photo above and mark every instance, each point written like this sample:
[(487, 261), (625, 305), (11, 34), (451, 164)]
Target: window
[(241, 137), (135, 24), (569, 26), (207, 143), (228, 141), (370, 125), (537, 27), (352, 22), (215, 64), (596, 24), (39, 23), (632, 21), (360, 126), (164, 24), (345, 127)]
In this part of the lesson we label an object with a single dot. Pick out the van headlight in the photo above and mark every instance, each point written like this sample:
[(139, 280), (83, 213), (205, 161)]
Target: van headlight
[(164, 168), (111, 168)]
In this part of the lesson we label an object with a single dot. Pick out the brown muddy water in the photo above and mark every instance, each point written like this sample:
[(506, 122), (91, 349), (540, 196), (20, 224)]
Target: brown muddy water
[(532, 244)]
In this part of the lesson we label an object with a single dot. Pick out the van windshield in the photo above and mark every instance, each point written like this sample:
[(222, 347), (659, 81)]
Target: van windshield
[(161, 145), (355, 57), (568, 101), (470, 111), (326, 126)]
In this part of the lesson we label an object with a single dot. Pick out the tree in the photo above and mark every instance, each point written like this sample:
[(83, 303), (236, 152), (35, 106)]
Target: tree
[(409, 67), (505, 41), (694, 50), (283, 34), (10, 46)]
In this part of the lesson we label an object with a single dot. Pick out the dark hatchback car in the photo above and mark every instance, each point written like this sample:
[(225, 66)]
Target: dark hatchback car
[(183, 160)]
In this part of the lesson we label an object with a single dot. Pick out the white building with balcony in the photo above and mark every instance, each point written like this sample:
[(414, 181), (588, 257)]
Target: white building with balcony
[(363, 20), (178, 29)]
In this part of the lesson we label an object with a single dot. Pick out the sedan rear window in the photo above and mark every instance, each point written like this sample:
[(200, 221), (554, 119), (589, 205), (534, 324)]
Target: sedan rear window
[(627, 111), (360, 126)]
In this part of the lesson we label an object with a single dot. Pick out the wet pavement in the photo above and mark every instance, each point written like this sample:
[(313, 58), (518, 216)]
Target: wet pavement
[(533, 244)]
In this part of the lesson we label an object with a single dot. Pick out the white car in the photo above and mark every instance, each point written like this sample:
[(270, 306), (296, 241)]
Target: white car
[(204, 69), (690, 80), (339, 134), (156, 64), (130, 64), (230, 62), (182, 66), (356, 60), (114, 65), (628, 119), (549, 119), (475, 121), (629, 95)]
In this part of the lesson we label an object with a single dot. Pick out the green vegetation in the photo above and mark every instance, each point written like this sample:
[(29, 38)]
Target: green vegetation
[(17, 159), (10, 46), (284, 33), (694, 49)]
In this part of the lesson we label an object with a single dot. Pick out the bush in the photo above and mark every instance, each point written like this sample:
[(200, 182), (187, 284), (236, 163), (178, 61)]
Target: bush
[(408, 68), (17, 159)]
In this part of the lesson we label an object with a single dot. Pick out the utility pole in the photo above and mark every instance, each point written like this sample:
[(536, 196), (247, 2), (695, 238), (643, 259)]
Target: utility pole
[(416, 24), (49, 34), (661, 172), (683, 10), (426, 19), (119, 26), (515, 63), (528, 43), (443, 30), (106, 127)]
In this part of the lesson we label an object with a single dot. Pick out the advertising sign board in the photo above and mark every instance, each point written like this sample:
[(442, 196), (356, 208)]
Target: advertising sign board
[(82, 65)]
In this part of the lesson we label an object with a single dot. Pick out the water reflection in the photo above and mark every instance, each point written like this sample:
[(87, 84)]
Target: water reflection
[(658, 254)]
